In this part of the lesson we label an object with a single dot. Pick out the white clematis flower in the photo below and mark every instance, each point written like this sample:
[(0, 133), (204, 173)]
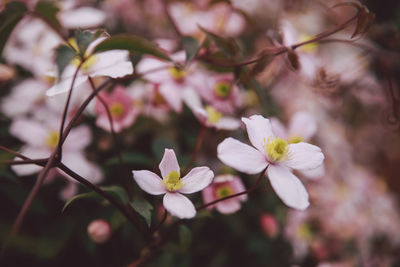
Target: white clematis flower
[(172, 185), (276, 153)]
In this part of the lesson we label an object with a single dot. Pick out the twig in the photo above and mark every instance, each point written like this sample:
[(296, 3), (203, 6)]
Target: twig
[(196, 151)]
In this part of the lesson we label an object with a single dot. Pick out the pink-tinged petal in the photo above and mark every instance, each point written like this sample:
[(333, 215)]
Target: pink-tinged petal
[(31, 132), (179, 205), (228, 206), (314, 174), (238, 186), (259, 130), (148, 65), (196, 180), (172, 95), (304, 156), (208, 195), (70, 190), (79, 138), (227, 123), (241, 157), (302, 124), (65, 84), (169, 163), (149, 182), (117, 70), (278, 128), (76, 161), (33, 153), (288, 187), (84, 17)]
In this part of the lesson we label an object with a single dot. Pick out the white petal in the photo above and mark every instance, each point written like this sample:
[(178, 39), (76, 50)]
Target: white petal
[(259, 130), (33, 153), (79, 138), (30, 131), (288, 187), (228, 206), (304, 156), (302, 124), (196, 180), (169, 163), (116, 70), (314, 173), (278, 128), (172, 95), (149, 182), (179, 205), (65, 84), (77, 162), (241, 157), (227, 123), (84, 17)]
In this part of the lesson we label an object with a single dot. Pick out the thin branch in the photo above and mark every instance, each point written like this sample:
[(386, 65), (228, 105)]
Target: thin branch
[(15, 153), (237, 194), (196, 151), (158, 226), (41, 162)]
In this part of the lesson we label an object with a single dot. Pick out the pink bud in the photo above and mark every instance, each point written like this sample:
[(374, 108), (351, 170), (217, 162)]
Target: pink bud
[(99, 231), (269, 225)]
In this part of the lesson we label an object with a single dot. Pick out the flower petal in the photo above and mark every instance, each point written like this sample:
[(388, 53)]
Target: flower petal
[(179, 205), (196, 180), (169, 163), (227, 123), (302, 124), (77, 162), (31, 132), (172, 95), (304, 156), (288, 187), (79, 138), (149, 182), (84, 17), (259, 130), (241, 157), (228, 206), (65, 84)]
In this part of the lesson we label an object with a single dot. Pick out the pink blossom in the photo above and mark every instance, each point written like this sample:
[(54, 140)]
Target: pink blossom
[(223, 186), (172, 185), (99, 231), (121, 107), (276, 153), (269, 225)]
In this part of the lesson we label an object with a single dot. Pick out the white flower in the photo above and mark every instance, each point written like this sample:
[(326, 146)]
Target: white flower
[(277, 154), (172, 185)]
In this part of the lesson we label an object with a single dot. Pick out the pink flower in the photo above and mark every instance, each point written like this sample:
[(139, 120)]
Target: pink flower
[(172, 185), (223, 186), (99, 231), (221, 93), (269, 225), (121, 107), (276, 153)]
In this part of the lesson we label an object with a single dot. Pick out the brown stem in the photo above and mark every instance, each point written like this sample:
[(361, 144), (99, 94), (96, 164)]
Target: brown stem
[(196, 151), (15, 153), (41, 162), (158, 226), (237, 194)]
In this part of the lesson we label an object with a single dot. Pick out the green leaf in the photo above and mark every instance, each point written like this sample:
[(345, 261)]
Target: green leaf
[(132, 158), (227, 45), (115, 191), (64, 55), (48, 10), (132, 43), (144, 208), (83, 39), (185, 237), (9, 18), (191, 47)]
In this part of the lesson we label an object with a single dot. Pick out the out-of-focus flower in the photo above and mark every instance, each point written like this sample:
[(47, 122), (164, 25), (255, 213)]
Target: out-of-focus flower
[(223, 186), (221, 93), (41, 138), (113, 63), (277, 154), (171, 81), (221, 18), (6, 73), (269, 225), (99, 231), (172, 185), (122, 109), (84, 17)]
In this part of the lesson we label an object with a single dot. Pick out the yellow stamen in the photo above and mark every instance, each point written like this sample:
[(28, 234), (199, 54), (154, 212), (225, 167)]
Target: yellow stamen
[(223, 191), (295, 139), (223, 89), (116, 109), (173, 181), (213, 115), (52, 139), (304, 231), (311, 48), (177, 74), (277, 149), (90, 60)]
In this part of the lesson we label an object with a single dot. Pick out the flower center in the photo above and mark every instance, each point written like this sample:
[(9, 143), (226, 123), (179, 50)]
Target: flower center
[(213, 115), (52, 139), (223, 89), (277, 149), (295, 139), (89, 60), (223, 191), (173, 181), (116, 109), (310, 48), (177, 74)]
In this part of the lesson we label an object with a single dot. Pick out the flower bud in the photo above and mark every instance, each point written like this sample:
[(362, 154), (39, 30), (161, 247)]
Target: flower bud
[(99, 231), (269, 225)]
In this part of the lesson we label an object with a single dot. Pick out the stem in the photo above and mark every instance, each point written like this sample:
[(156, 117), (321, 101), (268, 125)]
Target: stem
[(15, 153), (161, 222), (40, 162), (196, 151), (237, 194)]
